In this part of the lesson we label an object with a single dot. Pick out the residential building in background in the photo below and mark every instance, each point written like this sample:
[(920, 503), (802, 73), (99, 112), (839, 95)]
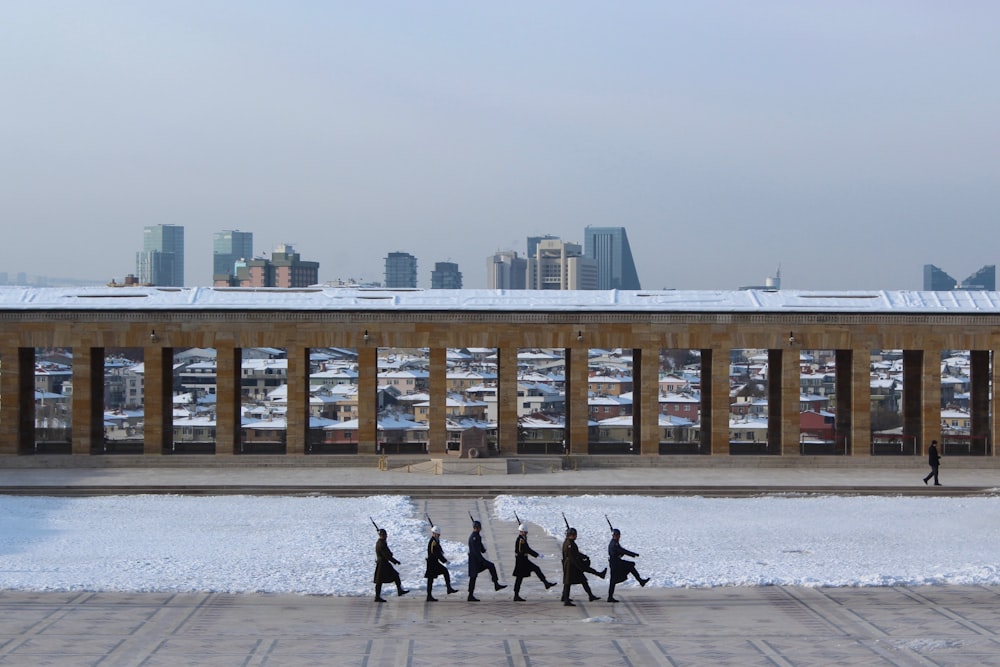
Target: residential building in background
[(161, 260), (446, 276), (936, 280), (560, 266), (609, 247), (284, 269), (228, 247), (505, 270), (400, 270)]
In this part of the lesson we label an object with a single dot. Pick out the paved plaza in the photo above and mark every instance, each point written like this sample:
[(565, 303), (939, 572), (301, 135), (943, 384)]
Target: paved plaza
[(785, 626)]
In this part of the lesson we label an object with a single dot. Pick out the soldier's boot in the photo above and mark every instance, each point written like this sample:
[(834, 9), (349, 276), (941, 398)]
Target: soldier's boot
[(590, 593), (447, 583), (517, 590), (399, 588), (472, 591), (430, 584), (497, 586), (611, 593), (378, 593)]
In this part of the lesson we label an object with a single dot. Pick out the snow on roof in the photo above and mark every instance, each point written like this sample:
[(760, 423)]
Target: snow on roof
[(364, 299)]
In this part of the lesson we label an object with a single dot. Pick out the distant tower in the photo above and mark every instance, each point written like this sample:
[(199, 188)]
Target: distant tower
[(161, 261), (560, 266), (284, 269), (446, 276), (609, 247), (400, 270), (229, 247), (936, 280), (505, 270)]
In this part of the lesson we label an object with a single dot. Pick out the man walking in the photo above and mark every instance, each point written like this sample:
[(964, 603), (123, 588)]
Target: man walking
[(385, 573), (620, 568), (934, 460), (523, 565), (478, 563), (436, 564), (575, 565)]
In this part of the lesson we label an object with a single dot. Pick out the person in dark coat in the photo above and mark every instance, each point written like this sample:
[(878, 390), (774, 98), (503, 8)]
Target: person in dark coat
[(385, 573), (478, 563), (575, 567), (436, 564), (934, 460), (523, 565), (620, 568)]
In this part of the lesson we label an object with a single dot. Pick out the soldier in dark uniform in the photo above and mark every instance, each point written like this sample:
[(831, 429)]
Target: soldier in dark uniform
[(385, 573), (575, 567), (620, 568), (478, 563), (435, 564), (523, 565)]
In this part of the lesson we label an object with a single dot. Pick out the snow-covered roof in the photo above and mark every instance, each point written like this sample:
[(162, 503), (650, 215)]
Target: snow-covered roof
[(364, 299)]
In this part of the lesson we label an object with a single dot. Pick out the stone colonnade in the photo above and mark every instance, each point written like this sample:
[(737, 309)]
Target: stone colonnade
[(89, 333)]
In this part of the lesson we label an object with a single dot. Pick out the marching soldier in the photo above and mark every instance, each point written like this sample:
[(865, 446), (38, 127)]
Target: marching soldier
[(620, 568), (523, 565), (575, 567), (385, 573), (478, 563), (435, 564)]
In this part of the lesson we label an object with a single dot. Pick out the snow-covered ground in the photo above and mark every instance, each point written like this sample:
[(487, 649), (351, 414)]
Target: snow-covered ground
[(322, 545)]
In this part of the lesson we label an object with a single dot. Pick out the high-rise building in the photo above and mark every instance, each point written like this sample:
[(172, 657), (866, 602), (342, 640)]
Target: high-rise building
[(936, 280), (560, 266), (400, 270), (446, 276), (228, 247), (609, 247), (284, 269), (505, 270), (161, 260)]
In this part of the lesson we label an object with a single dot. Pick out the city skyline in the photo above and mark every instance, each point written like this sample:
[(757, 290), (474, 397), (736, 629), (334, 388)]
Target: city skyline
[(849, 143)]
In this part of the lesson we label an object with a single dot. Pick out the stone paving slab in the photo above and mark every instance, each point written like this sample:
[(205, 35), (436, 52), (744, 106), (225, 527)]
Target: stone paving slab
[(725, 626)]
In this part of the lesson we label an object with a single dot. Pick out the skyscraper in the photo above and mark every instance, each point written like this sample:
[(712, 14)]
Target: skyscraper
[(161, 260), (446, 276), (936, 280), (560, 266), (228, 247), (284, 269), (609, 247), (505, 270), (400, 270)]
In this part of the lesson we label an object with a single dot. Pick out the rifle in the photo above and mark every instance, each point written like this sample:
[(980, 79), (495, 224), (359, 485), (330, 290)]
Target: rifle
[(565, 521), (471, 518), (609, 522), (428, 516), (375, 524), (517, 518)]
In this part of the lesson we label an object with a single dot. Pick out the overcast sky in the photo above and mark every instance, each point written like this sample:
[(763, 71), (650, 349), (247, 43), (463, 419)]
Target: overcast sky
[(851, 142)]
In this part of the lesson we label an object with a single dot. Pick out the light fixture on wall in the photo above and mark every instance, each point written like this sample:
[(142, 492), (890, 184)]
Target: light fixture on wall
[(791, 338), (152, 336), (367, 337), (579, 336)]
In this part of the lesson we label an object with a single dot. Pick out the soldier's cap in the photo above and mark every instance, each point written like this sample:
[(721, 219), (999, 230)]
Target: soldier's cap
[(571, 531), (381, 531), (434, 529), (476, 524), (615, 531), (522, 528)]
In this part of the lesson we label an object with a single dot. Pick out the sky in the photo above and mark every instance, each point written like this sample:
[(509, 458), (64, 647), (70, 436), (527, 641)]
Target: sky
[(325, 546), (849, 142)]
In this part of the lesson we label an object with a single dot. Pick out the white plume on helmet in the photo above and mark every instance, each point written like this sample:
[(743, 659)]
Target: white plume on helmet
[(523, 528), (434, 529)]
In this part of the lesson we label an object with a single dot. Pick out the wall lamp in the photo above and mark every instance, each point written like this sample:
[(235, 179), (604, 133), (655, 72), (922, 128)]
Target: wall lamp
[(152, 336), (366, 336), (579, 335), (791, 338)]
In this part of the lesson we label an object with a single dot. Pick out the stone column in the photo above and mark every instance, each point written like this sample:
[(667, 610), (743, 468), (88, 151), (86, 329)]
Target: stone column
[(507, 399), (979, 403), (438, 412), (157, 407), (718, 391), (646, 398), (228, 398), (861, 402), (931, 406), (842, 393), (17, 409), (577, 410), (367, 399), (87, 405), (783, 392), (297, 415)]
